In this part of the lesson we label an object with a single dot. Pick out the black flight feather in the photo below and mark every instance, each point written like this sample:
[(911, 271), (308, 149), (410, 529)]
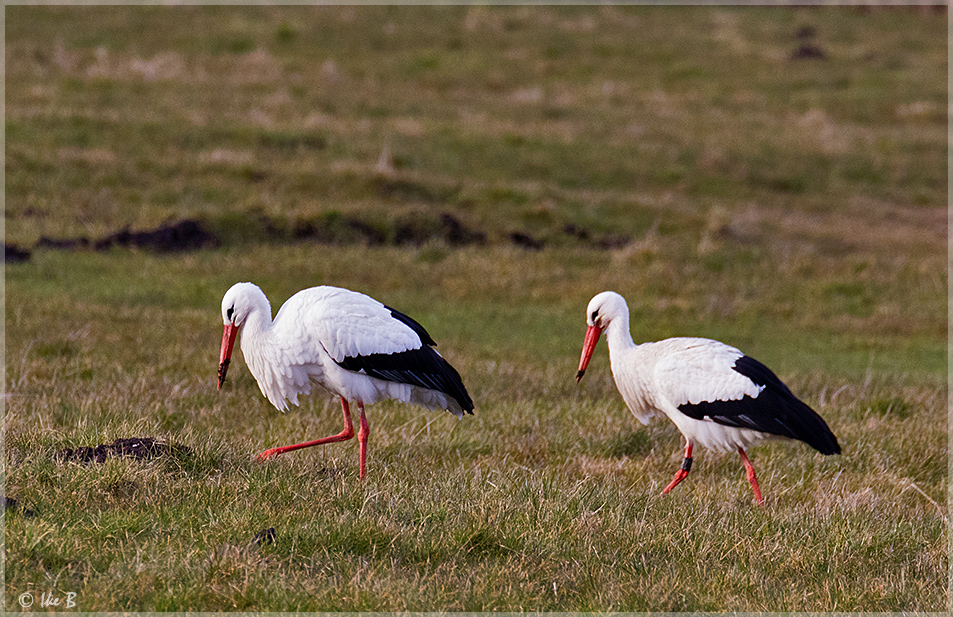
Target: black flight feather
[(774, 410), (422, 367), (425, 338)]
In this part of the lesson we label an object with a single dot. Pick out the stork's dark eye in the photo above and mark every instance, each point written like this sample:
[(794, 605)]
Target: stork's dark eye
[(594, 315), (229, 312)]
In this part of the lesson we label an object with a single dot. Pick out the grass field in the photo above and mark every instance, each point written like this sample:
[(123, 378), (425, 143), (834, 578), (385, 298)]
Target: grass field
[(795, 208)]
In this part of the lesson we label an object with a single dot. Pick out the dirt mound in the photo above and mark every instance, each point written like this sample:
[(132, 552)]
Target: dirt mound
[(332, 228), (418, 229), (13, 506), (69, 244), (265, 536), (808, 49), (13, 254), (184, 235), (605, 241), (139, 448)]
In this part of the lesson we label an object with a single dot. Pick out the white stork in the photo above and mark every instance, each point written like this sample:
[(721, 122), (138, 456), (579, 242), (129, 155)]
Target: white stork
[(349, 343), (716, 396)]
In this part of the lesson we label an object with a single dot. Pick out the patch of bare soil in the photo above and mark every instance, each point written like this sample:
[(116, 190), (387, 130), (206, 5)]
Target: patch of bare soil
[(413, 229), (184, 235), (265, 536), (139, 448), (11, 505), (13, 254)]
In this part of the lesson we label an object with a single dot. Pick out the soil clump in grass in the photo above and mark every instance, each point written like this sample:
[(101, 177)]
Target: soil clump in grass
[(184, 235), (414, 229), (11, 505), (13, 254), (180, 236), (139, 448), (265, 536)]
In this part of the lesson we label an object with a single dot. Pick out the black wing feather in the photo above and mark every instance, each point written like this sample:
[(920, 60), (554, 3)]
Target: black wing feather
[(422, 367), (775, 410), (425, 337)]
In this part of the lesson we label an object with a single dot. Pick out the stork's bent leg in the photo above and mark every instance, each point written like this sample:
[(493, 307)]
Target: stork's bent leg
[(753, 479), (682, 473), (344, 435), (362, 434)]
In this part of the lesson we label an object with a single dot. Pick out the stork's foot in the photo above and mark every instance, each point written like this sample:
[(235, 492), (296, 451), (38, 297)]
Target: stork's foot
[(682, 472), (267, 454), (680, 475)]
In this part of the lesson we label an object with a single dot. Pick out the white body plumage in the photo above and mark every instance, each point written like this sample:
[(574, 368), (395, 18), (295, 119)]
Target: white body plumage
[(316, 330), (655, 378)]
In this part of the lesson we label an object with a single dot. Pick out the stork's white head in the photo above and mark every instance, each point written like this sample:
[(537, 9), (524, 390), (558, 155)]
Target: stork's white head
[(603, 309), (240, 301)]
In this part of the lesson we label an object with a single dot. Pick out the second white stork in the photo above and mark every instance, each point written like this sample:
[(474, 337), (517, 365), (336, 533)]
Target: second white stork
[(717, 396), (347, 342)]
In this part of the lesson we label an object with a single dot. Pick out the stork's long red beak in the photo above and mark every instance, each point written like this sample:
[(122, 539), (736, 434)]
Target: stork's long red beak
[(588, 346), (228, 341)]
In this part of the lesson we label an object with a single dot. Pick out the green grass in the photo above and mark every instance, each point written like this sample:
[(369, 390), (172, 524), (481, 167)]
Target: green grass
[(793, 209)]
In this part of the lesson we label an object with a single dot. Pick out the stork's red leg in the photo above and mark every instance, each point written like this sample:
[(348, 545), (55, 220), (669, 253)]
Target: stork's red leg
[(344, 435), (751, 477), (362, 434), (682, 473)]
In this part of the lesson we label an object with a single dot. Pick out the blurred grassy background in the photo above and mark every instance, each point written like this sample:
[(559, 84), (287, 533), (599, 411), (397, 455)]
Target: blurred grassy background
[(682, 156)]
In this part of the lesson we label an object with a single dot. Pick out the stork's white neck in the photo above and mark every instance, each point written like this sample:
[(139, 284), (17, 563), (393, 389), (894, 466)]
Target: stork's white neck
[(631, 368), (258, 322), (618, 335)]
